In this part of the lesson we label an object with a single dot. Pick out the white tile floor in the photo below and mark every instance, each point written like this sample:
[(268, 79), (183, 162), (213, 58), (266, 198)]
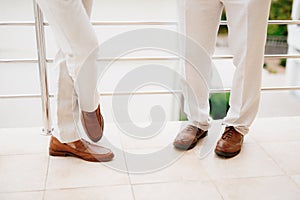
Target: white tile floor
[(267, 168)]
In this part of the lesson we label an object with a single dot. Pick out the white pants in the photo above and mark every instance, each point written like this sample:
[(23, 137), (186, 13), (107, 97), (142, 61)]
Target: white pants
[(247, 24), (78, 44)]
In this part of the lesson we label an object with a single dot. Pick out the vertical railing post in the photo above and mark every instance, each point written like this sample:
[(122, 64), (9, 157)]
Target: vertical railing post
[(41, 50)]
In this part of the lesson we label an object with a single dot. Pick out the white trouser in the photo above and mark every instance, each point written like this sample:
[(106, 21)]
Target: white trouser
[(78, 45), (247, 24)]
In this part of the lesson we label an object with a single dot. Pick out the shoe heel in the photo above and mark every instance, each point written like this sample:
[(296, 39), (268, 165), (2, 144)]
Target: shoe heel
[(57, 153)]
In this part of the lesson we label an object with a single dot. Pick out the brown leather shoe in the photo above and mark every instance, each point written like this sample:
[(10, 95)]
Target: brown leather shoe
[(230, 144), (93, 124), (81, 149), (188, 137)]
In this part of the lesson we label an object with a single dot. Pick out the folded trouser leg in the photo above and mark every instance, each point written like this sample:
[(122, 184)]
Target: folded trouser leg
[(201, 18), (66, 103), (247, 23), (76, 61)]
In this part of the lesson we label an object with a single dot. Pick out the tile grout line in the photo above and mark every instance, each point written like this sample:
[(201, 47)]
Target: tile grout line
[(172, 181), (86, 187), (182, 181), (20, 191), (132, 191), (128, 173), (46, 179), (211, 180), (263, 149), (285, 173), (294, 181), (23, 154), (250, 177)]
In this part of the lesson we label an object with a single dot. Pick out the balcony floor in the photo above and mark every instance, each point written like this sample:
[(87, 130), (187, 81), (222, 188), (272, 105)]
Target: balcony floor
[(267, 168)]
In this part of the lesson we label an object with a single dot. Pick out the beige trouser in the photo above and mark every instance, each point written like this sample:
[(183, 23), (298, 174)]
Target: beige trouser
[(247, 23), (75, 62)]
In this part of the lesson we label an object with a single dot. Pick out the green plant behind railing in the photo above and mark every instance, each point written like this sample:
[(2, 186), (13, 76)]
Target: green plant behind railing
[(280, 10), (219, 105)]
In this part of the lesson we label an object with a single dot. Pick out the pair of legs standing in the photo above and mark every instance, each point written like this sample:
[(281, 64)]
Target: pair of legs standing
[(247, 25)]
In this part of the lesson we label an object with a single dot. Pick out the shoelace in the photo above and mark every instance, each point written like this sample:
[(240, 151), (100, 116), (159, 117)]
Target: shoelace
[(228, 134)]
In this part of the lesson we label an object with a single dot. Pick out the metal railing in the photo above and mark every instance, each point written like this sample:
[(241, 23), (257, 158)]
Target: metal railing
[(42, 60)]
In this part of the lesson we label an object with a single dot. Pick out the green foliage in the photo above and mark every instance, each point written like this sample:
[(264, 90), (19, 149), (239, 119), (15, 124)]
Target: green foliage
[(223, 29), (283, 62), (280, 10), (183, 117), (219, 105)]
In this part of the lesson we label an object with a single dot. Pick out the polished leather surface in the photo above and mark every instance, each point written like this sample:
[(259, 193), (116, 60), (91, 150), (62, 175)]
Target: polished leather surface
[(81, 149), (188, 137), (230, 143), (93, 124)]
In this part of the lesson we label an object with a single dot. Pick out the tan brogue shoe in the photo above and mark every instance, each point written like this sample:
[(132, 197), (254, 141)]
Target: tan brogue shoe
[(93, 124), (230, 144), (81, 149), (188, 137)]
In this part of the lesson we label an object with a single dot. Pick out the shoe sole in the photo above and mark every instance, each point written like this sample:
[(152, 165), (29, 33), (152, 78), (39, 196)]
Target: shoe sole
[(227, 155), (68, 154), (182, 147)]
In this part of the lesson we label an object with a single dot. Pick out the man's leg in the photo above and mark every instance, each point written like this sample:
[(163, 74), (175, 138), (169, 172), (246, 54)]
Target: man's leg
[(78, 42), (247, 23), (66, 100), (66, 103), (201, 18)]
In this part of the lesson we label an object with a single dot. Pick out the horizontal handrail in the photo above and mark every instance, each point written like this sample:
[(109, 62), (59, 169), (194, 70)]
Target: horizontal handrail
[(212, 91), (137, 23), (264, 89), (51, 60), (17, 23), (268, 56), (18, 60), (273, 22), (157, 92), (22, 96), (133, 23), (96, 23)]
